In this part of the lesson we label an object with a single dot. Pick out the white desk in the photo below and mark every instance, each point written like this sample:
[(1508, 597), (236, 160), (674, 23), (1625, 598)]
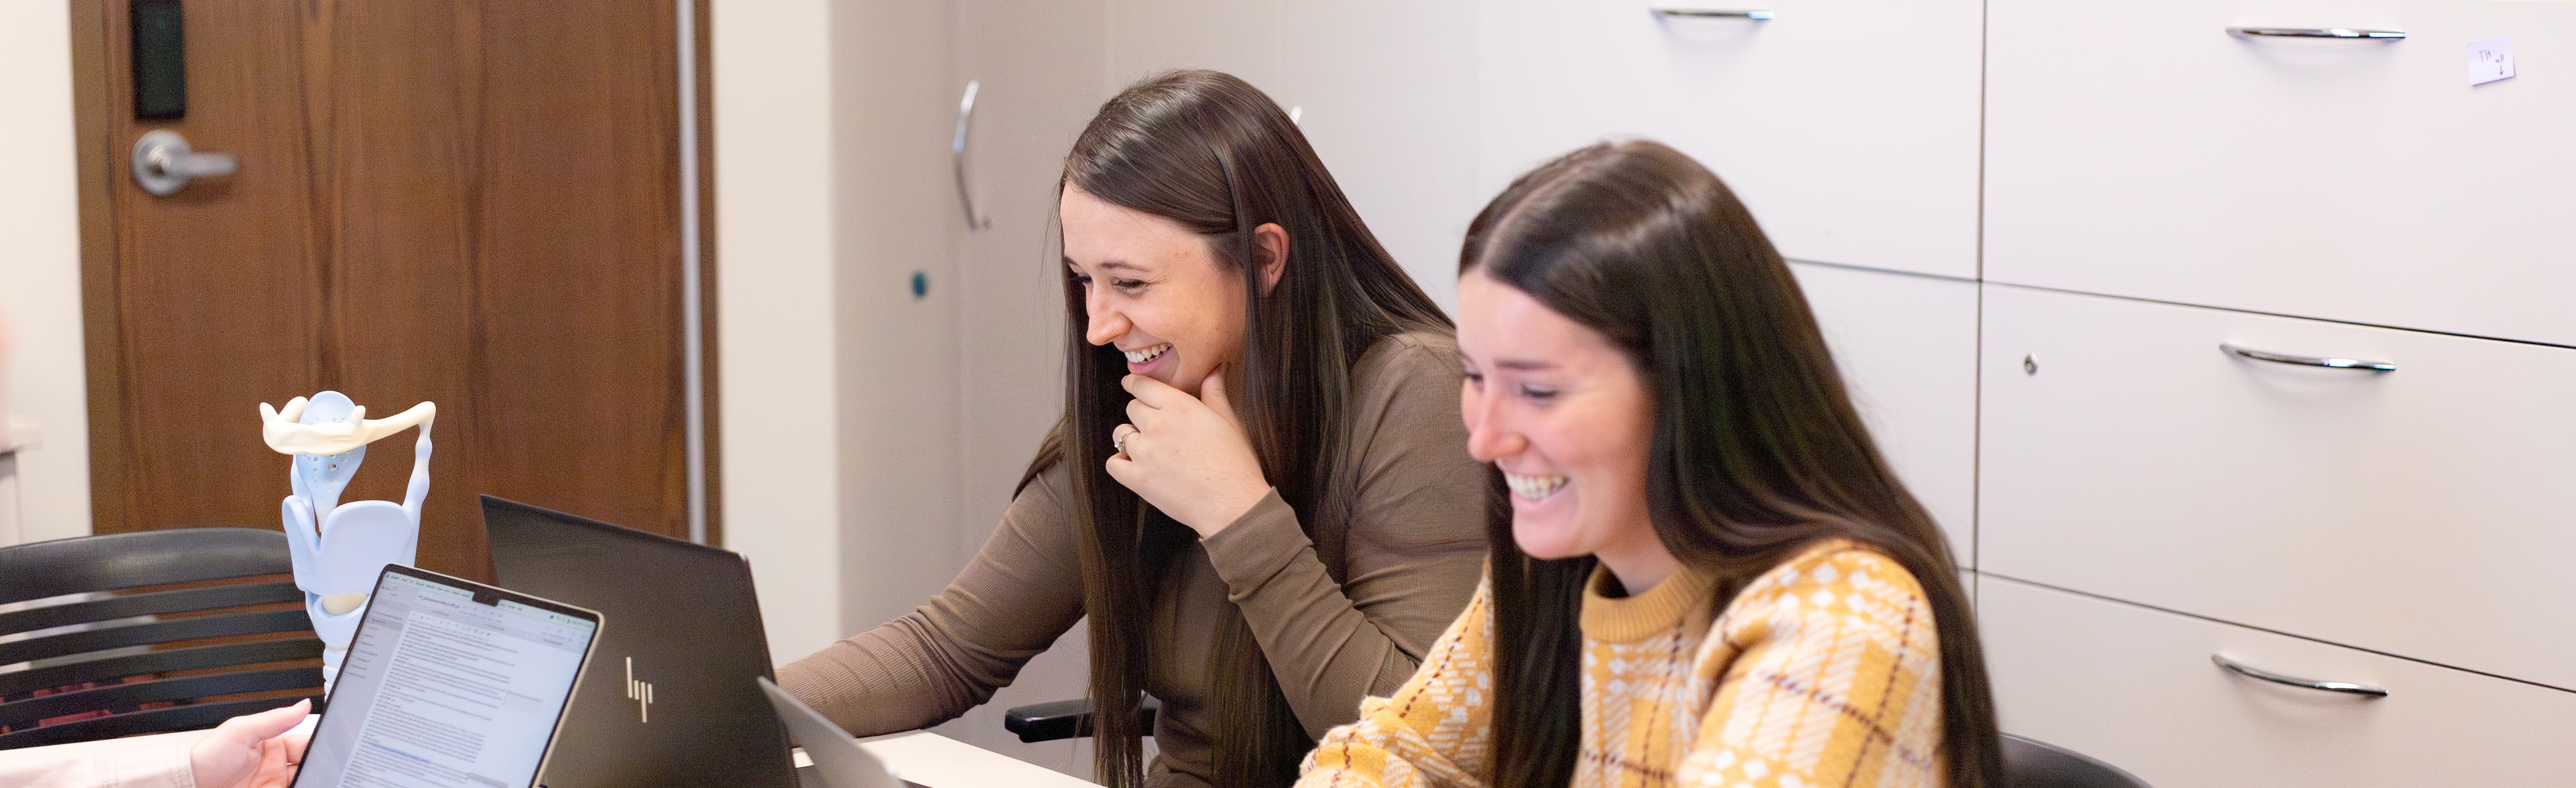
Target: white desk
[(940, 762)]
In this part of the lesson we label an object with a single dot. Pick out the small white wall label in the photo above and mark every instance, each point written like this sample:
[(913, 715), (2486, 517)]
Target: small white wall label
[(2490, 60)]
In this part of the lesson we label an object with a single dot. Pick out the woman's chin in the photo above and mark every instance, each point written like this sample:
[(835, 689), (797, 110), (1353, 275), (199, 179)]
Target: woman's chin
[(1189, 381), (1545, 538)]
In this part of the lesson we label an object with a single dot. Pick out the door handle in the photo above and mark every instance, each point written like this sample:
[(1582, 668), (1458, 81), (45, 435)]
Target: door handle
[(2307, 361), (163, 164), (2315, 32), (2345, 687), (975, 219)]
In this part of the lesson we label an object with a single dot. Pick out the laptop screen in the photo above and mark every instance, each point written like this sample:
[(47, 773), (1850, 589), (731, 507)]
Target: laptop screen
[(448, 683)]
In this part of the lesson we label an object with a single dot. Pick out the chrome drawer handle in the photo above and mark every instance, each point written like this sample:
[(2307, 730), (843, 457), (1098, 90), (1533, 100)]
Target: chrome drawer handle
[(2316, 32), (975, 218), (2345, 687), (2309, 361), (1709, 13)]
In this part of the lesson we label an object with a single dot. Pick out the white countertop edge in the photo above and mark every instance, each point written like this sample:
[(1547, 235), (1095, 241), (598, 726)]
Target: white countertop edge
[(941, 762)]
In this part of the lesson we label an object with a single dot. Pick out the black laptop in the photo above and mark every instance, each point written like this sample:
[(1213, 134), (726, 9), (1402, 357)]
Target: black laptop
[(669, 698)]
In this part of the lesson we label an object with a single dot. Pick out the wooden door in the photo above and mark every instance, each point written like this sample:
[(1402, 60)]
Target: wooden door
[(470, 202)]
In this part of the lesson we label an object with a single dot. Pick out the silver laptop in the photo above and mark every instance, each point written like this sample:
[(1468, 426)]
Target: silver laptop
[(838, 759), (449, 682)]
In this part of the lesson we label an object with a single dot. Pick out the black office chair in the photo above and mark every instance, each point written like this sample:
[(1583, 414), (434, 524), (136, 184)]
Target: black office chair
[(1063, 719), (118, 662), (2029, 763)]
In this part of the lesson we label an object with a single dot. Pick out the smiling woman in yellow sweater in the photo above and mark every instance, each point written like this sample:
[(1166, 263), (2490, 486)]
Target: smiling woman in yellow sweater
[(1705, 573)]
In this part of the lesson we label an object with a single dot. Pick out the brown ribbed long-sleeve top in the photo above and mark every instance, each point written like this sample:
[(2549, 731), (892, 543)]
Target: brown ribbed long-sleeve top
[(1408, 557)]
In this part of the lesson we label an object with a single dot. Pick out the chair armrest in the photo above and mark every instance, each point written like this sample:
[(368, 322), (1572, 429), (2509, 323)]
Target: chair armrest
[(1062, 719)]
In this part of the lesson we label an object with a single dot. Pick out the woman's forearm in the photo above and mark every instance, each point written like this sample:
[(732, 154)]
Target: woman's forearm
[(1006, 606)]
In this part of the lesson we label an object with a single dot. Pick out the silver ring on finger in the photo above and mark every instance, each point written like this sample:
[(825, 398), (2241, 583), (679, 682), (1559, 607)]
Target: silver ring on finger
[(1118, 441)]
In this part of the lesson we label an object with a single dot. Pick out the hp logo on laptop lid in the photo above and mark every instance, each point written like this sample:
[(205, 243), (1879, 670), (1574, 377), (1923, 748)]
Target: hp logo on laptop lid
[(641, 692)]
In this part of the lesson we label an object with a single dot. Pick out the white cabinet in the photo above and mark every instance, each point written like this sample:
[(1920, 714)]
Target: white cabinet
[(1040, 74), (1387, 93), (1849, 127), (1038, 80), (1239, 37), (1907, 349), (2140, 149), (2136, 688), (2421, 512)]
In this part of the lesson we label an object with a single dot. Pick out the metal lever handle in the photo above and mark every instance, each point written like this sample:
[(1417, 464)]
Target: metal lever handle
[(163, 164), (2345, 687), (2315, 32), (975, 219), (1708, 13), (2309, 361)]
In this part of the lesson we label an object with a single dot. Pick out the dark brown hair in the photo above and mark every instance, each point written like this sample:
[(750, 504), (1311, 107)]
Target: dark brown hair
[(1757, 452), (1211, 152)]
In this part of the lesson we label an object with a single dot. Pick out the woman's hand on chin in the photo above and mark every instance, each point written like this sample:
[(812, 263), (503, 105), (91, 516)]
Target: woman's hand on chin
[(1188, 456)]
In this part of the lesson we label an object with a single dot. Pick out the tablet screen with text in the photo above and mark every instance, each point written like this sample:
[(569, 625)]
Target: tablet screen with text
[(448, 683)]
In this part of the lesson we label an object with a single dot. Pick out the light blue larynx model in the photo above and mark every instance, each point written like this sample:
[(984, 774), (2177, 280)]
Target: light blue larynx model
[(339, 549)]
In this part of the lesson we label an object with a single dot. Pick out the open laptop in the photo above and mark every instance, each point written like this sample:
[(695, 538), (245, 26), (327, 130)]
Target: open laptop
[(670, 701), (449, 682), (839, 761)]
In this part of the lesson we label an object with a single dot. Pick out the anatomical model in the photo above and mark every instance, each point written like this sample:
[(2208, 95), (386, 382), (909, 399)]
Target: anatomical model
[(339, 549)]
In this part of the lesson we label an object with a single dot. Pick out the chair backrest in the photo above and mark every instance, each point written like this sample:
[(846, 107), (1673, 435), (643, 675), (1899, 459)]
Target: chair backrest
[(2030, 763), (115, 635)]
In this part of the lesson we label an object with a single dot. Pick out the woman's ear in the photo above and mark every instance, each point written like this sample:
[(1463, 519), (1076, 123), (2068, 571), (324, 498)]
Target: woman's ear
[(1273, 240)]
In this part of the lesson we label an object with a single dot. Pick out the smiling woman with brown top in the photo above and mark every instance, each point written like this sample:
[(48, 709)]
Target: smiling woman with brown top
[(1260, 492)]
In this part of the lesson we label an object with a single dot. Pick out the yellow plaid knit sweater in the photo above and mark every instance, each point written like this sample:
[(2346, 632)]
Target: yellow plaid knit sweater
[(1825, 671)]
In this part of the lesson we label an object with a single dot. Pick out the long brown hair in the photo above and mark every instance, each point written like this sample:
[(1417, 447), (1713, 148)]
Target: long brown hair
[(1757, 452), (1211, 152)]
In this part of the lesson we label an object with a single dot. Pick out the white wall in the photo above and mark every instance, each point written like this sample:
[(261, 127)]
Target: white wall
[(41, 373), (778, 389)]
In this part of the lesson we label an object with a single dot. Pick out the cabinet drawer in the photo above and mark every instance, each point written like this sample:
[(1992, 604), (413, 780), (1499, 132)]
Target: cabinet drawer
[(2141, 149), (1850, 127), (2422, 512), (1386, 93), (1907, 349), (2136, 688)]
